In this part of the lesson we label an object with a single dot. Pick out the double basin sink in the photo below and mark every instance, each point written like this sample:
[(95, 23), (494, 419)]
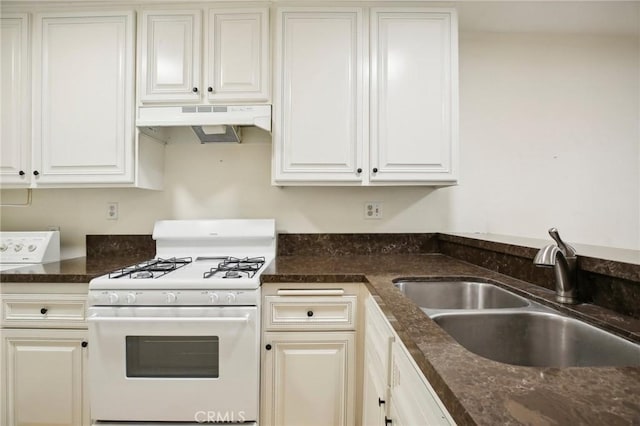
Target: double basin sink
[(497, 324)]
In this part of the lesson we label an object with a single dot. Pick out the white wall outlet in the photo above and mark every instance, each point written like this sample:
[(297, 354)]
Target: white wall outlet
[(112, 211), (373, 210)]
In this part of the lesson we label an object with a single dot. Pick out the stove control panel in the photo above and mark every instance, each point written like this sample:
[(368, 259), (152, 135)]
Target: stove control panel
[(29, 247), (174, 297)]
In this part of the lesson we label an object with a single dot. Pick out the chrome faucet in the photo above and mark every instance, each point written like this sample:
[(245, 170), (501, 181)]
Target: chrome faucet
[(562, 258)]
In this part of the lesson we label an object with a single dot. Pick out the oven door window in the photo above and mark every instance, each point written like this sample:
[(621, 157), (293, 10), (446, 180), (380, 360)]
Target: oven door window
[(173, 356)]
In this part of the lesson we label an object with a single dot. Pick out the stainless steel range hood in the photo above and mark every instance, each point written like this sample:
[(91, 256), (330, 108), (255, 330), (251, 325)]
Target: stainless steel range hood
[(211, 123)]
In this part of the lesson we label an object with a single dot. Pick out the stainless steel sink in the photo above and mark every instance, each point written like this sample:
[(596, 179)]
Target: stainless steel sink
[(459, 295), (538, 339)]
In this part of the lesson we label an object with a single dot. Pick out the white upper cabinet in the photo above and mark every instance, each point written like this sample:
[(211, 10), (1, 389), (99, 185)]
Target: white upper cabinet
[(319, 91), (413, 92), (83, 98), (236, 55), (170, 65), (365, 108), (15, 139)]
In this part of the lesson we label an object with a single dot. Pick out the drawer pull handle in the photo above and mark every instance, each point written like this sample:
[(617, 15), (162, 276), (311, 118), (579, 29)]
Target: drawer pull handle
[(268, 347), (380, 401), (43, 311), (84, 344), (320, 292), (309, 313)]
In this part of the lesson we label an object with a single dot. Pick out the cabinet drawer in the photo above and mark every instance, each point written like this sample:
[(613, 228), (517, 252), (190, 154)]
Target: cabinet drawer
[(27, 310), (310, 312)]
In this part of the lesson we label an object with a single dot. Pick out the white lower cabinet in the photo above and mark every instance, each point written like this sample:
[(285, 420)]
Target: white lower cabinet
[(395, 392), (378, 336), (413, 400), (310, 378), (45, 373), (308, 355), (375, 394), (43, 359)]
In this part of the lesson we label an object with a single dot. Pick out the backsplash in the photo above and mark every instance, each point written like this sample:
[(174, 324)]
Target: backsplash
[(612, 285), (135, 246), (356, 244)]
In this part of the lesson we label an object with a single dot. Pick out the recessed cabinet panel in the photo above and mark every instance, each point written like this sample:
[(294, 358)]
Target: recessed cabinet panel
[(44, 377), (238, 54), (52, 311), (14, 126), (83, 98), (310, 313), (319, 112), (412, 95), (311, 379), (171, 56)]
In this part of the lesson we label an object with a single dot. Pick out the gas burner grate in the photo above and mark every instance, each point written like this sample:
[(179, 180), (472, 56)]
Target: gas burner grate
[(233, 267), (153, 268)]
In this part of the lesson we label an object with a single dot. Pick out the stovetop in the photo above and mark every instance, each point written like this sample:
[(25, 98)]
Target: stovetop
[(154, 268), (197, 263), (200, 272)]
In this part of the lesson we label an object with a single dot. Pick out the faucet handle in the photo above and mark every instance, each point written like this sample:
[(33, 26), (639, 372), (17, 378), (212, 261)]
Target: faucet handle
[(567, 249)]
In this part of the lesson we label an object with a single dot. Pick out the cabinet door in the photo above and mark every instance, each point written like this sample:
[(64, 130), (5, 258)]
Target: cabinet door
[(413, 95), (238, 54), (413, 400), (319, 114), (15, 142), (170, 61), (308, 378), (375, 395), (83, 98), (44, 377), (378, 338)]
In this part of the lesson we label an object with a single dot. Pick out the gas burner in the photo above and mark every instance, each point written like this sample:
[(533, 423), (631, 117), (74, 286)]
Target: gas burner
[(233, 267), (153, 268)]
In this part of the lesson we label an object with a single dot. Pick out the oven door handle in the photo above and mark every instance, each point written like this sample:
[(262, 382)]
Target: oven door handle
[(172, 319)]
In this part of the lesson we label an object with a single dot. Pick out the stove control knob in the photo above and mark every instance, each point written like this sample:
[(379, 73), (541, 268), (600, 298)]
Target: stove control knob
[(213, 298), (131, 298), (3, 247), (171, 297), (113, 298), (32, 247), (230, 298), (18, 247)]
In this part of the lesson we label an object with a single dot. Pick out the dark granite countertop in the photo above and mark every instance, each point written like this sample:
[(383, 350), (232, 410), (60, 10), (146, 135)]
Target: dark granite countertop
[(478, 391), (78, 270), (474, 389)]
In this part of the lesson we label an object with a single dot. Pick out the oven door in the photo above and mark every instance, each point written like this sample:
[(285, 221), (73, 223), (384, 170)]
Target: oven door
[(190, 364)]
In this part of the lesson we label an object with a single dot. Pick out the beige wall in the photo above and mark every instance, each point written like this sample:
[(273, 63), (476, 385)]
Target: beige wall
[(549, 137)]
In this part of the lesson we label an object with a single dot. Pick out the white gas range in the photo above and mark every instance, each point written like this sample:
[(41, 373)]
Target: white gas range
[(176, 338)]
